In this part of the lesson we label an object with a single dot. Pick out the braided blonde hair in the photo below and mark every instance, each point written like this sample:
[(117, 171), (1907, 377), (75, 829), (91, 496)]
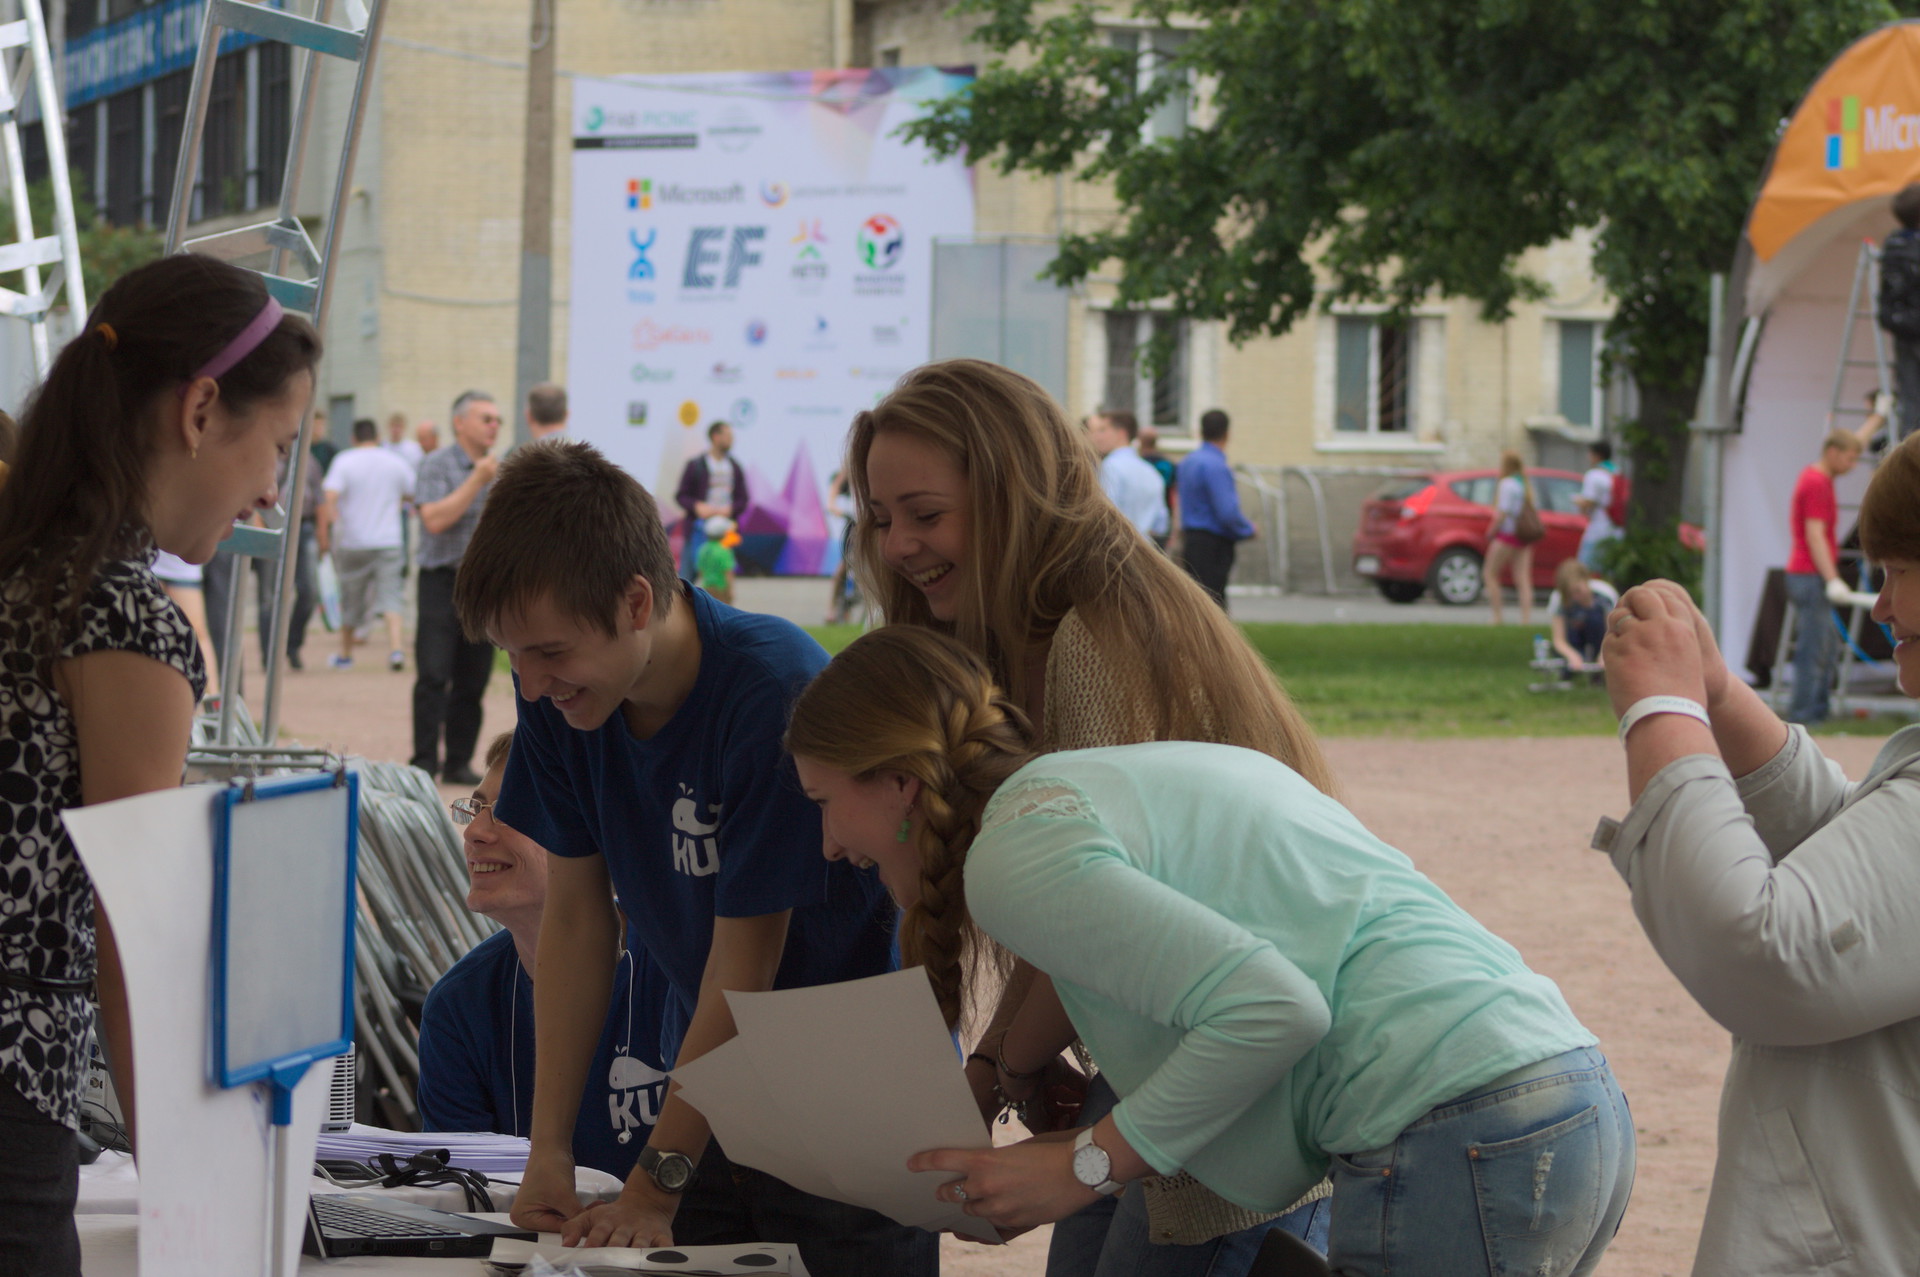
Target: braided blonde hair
[(910, 700)]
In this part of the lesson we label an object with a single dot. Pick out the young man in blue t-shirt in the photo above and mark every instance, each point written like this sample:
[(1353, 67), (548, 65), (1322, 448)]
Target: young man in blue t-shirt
[(648, 762), (476, 1031)]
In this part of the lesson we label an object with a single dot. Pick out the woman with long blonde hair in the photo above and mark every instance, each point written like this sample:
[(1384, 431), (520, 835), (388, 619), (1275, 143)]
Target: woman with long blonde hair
[(1512, 497), (981, 515), (1273, 990)]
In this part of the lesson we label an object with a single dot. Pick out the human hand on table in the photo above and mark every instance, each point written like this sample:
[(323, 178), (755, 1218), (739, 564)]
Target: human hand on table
[(632, 1219), (1014, 1188), (546, 1199), (1658, 644)]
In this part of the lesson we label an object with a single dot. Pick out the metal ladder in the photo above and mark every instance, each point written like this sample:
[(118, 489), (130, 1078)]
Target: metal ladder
[(60, 251), (1861, 302), (297, 274)]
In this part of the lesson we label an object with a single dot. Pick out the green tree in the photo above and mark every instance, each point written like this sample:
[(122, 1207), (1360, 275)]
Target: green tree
[(107, 251), (1411, 149)]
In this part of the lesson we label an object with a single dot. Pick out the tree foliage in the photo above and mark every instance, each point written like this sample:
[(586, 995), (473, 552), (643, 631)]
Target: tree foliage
[(1410, 148), (107, 251)]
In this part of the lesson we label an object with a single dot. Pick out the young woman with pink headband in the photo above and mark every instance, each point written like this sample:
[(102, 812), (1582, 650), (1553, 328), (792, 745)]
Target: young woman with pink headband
[(157, 427)]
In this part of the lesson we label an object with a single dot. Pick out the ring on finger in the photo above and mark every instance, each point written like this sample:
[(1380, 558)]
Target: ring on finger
[(959, 1193)]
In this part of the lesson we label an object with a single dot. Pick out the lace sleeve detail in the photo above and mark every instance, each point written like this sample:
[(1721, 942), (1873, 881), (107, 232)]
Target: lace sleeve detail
[(1041, 796)]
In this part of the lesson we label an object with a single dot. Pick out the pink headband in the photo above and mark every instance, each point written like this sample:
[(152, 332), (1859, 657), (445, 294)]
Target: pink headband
[(240, 347)]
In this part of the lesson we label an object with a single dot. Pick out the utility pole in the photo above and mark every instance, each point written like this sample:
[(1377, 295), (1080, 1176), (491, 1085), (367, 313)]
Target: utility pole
[(536, 216)]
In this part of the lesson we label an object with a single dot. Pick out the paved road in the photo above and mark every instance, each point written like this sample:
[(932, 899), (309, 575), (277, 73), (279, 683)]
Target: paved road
[(803, 600)]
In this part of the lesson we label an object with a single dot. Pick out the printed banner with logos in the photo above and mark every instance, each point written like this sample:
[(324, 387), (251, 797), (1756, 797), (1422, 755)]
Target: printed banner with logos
[(754, 248)]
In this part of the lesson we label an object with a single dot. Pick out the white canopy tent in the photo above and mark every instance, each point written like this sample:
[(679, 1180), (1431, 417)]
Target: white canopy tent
[(1853, 142)]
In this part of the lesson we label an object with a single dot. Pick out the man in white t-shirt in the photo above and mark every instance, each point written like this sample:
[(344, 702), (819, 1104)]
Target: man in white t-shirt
[(367, 488), (400, 444), (1129, 479), (1595, 499)]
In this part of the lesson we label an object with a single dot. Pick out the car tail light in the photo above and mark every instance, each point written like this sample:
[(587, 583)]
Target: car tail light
[(1416, 505)]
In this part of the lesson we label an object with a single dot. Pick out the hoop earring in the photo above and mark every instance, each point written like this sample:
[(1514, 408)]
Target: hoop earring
[(906, 828)]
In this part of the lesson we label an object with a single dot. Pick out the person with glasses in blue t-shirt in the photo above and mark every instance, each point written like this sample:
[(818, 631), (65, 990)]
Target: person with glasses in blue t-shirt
[(476, 1031)]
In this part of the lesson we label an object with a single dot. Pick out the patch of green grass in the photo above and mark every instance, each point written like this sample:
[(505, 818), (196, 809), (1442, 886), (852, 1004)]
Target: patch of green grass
[(1422, 681)]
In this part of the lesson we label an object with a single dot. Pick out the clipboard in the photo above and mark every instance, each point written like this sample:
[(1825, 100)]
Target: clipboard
[(285, 853)]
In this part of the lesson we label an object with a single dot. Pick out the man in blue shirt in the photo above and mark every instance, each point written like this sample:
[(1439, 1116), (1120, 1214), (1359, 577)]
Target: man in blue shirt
[(648, 763), (1211, 524), (476, 1032)]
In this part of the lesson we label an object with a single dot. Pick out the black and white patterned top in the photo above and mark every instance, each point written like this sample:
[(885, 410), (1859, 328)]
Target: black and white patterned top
[(46, 907)]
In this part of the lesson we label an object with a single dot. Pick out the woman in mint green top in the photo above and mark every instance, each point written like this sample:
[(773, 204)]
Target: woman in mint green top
[(1270, 988)]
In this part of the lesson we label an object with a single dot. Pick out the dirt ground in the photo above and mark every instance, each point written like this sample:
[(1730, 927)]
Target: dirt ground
[(1501, 825)]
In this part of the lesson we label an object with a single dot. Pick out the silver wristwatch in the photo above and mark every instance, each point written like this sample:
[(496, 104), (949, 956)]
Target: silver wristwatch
[(1092, 1166), (670, 1172)]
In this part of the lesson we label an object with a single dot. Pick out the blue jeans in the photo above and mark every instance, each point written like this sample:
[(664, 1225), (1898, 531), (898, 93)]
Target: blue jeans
[(1529, 1174), (1110, 1238), (1814, 647), (731, 1203)]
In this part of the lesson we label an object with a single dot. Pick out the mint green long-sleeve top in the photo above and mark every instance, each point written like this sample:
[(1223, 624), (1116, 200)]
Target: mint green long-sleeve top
[(1264, 982)]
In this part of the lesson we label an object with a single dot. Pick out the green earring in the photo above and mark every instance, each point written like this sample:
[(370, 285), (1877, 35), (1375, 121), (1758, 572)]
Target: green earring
[(906, 828)]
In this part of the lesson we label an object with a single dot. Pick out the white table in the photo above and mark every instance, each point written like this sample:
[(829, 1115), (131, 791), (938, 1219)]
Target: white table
[(107, 1249)]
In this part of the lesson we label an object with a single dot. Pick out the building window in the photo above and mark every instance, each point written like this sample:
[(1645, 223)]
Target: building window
[(123, 194), (169, 119), (1580, 390), (1373, 378), (83, 148), (1154, 51), (1157, 397), (276, 116)]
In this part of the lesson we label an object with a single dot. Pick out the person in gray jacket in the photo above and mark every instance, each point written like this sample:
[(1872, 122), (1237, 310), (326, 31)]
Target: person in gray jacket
[(1787, 901)]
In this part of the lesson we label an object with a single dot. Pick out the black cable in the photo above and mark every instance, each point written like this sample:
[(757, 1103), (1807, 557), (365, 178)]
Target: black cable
[(428, 1169)]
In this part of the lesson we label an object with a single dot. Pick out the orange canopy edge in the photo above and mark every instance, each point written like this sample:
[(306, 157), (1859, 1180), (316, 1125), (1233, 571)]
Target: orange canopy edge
[(1855, 136)]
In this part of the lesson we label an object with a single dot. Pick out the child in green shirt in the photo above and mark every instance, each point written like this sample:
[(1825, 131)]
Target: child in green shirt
[(713, 566)]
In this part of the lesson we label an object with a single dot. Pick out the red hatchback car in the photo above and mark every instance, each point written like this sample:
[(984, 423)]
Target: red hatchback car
[(1429, 532)]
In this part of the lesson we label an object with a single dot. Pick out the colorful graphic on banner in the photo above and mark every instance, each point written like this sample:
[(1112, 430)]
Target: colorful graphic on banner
[(1854, 136), (755, 249)]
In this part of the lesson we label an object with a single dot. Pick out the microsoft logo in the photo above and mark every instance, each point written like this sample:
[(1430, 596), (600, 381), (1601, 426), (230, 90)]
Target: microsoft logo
[(1843, 132), (639, 193)]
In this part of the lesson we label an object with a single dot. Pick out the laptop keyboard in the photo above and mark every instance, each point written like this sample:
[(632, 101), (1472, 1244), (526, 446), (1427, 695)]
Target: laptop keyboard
[(343, 1219)]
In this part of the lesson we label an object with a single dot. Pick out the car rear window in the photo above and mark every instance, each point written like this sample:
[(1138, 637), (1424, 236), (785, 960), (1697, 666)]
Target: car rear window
[(1478, 490), (1401, 489), (1561, 496)]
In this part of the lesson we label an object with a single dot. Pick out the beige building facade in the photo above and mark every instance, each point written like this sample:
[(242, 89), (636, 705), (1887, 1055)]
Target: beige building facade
[(425, 297)]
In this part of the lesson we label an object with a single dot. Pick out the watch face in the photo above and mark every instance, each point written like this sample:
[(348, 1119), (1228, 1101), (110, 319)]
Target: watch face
[(1091, 1165), (673, 1172)]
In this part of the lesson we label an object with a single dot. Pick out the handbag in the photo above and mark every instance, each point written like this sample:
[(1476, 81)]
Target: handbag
[(1527, 527)]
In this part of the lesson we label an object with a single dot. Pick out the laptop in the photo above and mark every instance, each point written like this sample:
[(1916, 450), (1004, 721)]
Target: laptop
[(375, 1224)]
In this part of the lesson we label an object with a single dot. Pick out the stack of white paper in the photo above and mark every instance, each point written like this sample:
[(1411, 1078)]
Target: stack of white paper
[(511, 1258), (833, 1088), (487, 1153)]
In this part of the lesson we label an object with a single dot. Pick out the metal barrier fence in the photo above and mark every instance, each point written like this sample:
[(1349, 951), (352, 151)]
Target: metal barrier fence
[(1306, 516)]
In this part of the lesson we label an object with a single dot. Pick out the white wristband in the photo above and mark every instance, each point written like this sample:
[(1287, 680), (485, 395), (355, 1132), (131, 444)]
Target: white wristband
[(1647, 706)]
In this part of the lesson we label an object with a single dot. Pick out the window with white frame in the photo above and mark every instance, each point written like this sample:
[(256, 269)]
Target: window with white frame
[(1374, 369), (1157, 396), (1154, 50), (1580, 396)]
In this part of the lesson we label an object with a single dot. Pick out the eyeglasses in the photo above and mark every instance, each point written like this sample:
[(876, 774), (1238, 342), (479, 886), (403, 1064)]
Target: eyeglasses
[(467, 810)]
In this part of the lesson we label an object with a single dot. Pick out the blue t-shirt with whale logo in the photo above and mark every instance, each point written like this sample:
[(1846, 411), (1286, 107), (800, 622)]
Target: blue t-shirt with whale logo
[(476, 1055), (705, 818)]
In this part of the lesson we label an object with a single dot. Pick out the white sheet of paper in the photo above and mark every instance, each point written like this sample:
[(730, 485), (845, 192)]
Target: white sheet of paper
[(204, 1190), (833, 1088), (777, 1261)]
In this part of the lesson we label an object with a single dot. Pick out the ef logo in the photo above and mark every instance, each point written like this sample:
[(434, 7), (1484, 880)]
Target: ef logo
[(704, 251)]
